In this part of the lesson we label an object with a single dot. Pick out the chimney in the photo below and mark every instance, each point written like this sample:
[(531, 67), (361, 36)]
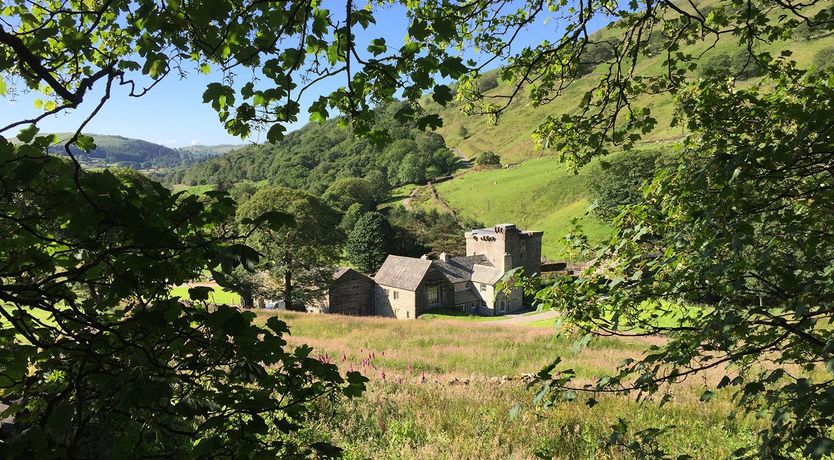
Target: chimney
[(444, 257), (425, 257)]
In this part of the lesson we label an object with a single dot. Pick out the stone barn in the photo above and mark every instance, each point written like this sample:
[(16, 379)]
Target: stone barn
[(351, 293), (406, 287)]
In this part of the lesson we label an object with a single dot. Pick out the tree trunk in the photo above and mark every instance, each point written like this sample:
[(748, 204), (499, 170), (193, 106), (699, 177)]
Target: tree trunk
[(247, 299)]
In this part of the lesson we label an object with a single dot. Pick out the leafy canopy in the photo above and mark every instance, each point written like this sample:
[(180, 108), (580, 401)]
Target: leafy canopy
[(96, 357), (741, 225)]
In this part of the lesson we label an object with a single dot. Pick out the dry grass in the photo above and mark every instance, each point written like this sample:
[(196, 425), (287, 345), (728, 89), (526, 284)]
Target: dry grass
[(436, 392)]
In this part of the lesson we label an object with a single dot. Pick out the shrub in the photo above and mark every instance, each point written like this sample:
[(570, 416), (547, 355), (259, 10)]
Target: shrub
[(488, 159), (488, 82), (618, 182), (824, 59)]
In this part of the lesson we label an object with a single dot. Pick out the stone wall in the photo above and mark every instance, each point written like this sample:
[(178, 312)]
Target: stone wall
[(393, 302), (508, 248), (352, 294)]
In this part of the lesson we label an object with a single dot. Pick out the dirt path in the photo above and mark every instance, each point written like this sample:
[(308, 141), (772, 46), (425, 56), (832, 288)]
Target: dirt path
[(464, 161), (407, 202), (524, 318)]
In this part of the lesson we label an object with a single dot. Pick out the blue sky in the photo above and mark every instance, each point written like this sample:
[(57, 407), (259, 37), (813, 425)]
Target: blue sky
[(173, 113)]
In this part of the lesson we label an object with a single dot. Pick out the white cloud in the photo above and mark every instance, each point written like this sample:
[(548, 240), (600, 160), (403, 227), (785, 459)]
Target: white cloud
[(194, 142)]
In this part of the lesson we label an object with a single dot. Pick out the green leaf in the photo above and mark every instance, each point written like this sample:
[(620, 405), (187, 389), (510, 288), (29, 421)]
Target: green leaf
[(442, 94), (85, 143), (819, 447), (275, 133), (200, 292), (27, 134)]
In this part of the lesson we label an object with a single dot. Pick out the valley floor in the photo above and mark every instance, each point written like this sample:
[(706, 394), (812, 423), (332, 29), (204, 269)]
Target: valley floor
[(446, 388)]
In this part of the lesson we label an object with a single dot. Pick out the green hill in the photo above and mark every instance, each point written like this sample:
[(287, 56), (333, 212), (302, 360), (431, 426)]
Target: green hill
[(511, 137), (538, 192), (316, 155), (136, 153)]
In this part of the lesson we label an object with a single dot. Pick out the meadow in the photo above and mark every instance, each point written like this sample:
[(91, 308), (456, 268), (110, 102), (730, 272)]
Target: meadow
[(450, 388)]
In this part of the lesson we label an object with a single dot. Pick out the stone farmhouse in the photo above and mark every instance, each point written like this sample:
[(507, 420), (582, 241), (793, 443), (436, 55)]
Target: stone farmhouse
[(406, 287)]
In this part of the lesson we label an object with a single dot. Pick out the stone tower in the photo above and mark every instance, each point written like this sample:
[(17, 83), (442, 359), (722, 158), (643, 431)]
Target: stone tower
[(507, 247)]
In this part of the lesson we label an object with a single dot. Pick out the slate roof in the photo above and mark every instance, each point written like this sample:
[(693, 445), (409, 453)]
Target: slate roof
[(486, 275), (459, 269), (348, 273), (402, 272)]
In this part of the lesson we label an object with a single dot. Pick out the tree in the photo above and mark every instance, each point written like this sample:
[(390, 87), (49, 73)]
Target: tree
[(380, 187), (488, 159), (712, 230), (302, 258), (737, 65), (619, 180), (824, 59), (369, 243), (350, 217), (98, 360), (348, 191), (463, 132)]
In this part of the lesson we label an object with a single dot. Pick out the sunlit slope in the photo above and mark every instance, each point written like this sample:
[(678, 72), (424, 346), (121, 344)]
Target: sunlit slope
[(540, 194), (511, 137)]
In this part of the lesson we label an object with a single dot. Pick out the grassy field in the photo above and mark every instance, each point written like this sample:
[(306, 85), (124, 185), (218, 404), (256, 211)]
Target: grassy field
[(446, 389), (540, 194), (218, 296)]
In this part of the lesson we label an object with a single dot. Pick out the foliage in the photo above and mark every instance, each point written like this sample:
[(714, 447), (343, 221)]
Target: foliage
[(419, 232), (618, 181), (299, 260), (241, 192), (824, 59), (349, 191), (737, 65), (369, 243), (318, 155), (742, 223), (98, 360), (488, 159), (349, 218)]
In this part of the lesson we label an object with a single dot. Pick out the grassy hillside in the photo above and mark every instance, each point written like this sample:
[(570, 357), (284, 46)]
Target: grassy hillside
[(539, 194), (511, 138), (447, 389)]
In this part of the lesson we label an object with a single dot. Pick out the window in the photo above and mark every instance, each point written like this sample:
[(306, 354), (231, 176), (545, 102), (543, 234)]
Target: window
[(407, 314), (396, 295), (467, 285), (483, 287), (502, 306), (433, 295), (387, 293)]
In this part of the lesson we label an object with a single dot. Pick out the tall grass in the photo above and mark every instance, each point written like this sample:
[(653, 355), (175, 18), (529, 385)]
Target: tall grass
[(436, 391)]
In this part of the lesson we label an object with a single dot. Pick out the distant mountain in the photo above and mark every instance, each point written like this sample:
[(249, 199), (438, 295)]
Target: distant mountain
[(211, 150), (139, 154)]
